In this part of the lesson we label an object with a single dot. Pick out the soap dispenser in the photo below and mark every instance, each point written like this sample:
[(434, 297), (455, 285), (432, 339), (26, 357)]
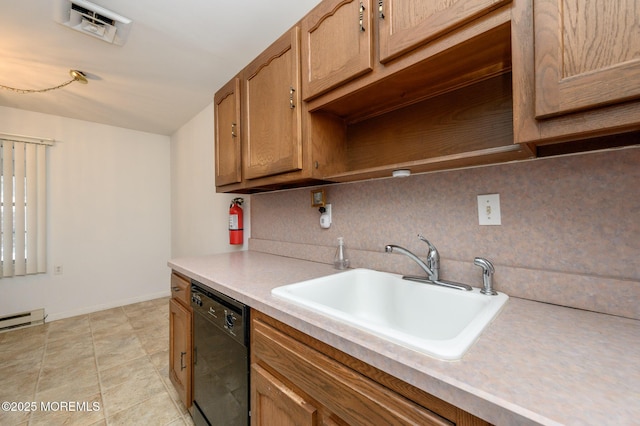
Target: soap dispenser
[(340, 260)]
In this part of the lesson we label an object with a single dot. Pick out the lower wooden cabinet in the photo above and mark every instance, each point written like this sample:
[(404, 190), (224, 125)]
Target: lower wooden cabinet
[(180, 340), (275, 403), (297, 380)]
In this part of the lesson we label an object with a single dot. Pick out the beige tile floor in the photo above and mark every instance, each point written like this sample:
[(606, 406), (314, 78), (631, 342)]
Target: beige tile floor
[(113, 362)]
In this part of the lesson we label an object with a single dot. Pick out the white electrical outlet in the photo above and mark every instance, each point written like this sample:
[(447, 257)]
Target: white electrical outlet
[(489, 209)]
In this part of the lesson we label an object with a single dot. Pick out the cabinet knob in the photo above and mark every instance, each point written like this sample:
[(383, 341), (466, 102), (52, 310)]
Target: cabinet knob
[(361, 17)]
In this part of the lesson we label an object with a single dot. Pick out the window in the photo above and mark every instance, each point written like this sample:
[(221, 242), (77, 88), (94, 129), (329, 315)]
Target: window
[(22, 205)]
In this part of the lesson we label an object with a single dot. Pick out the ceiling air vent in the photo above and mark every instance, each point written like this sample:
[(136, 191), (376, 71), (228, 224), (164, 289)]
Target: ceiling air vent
[(93, 20)]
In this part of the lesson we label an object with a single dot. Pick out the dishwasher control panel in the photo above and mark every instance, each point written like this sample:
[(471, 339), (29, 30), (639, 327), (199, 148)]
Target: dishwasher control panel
[(221, 311)]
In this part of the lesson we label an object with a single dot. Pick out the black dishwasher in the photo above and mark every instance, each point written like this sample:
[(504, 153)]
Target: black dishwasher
[(220, 358)]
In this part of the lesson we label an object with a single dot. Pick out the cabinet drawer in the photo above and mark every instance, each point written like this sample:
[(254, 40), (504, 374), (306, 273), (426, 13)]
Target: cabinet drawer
[(352, 397), (181, 289)]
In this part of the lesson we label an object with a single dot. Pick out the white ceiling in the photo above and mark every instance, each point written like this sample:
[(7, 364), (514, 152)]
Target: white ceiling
[(177, 55)]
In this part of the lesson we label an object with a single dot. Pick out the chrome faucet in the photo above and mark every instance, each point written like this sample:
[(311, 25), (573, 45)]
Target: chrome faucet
[(433, 259), (431, 267), (487, 276), (391, 248)]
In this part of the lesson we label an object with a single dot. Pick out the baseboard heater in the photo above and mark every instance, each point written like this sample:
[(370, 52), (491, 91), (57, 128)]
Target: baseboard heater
[(23, 319)]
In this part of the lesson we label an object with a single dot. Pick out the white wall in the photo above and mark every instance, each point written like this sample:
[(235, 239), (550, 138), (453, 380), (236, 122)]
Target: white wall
[(109, 217), (199, 216)]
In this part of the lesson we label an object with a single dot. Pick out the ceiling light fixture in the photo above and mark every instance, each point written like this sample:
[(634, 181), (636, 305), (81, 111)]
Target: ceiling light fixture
[(78, 76)]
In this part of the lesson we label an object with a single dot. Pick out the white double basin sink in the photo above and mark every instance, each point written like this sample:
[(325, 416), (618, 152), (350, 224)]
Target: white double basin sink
[(437, 321)]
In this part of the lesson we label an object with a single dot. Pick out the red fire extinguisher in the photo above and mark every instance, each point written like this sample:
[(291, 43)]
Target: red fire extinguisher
[(236, 235)]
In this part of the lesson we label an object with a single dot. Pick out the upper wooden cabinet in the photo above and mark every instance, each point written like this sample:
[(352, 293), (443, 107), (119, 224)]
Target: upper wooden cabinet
[(587, 54), (359, 88), (281, 148), (228, 153), (576, 69), (273, 113), (337, 44), (310, 100), (392, 52), (406, 24)]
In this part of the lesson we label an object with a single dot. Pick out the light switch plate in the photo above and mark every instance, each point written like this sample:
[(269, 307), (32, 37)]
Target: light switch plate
[(489, 209)]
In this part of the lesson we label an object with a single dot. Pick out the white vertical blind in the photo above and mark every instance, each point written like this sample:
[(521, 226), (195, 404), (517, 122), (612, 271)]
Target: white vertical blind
[(20, 264), (7, 208), (40, 197), (24, 211)]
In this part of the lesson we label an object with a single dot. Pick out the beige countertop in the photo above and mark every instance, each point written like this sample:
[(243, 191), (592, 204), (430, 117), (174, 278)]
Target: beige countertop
[(534, 364)]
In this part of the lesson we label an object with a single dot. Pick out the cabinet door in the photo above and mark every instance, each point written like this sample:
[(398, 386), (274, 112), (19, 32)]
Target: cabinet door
[(180, 350), (227, 134), (273, 138), (273, 403), (406, 24), (337, 44), (332, 384), (587, 54)]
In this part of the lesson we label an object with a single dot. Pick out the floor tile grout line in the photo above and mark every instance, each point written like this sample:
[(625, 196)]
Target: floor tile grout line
[(95, 361), (106, 413), (164, 384), (42, 362), (147, 356), (151, 397), (167, 389), (106, 419)]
